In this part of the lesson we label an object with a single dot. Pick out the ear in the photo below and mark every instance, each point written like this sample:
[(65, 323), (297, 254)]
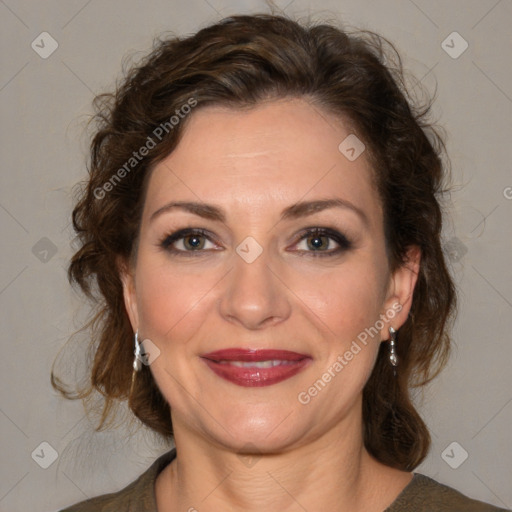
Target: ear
[(400, 291), (127, 276)]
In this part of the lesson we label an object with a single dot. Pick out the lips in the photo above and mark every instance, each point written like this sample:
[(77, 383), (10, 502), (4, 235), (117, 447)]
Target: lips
[(255, 368)]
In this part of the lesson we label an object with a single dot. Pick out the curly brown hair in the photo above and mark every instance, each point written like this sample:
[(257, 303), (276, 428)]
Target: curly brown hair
[(238, 62)]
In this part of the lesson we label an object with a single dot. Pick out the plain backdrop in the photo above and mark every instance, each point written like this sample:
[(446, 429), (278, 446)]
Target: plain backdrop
[(45, 99)]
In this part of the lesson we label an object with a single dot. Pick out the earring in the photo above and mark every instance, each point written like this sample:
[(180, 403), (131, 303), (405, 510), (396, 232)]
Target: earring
[(137, 364), (393, 358)]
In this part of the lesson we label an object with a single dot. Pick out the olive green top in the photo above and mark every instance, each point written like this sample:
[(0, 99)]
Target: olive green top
[(422, 494)]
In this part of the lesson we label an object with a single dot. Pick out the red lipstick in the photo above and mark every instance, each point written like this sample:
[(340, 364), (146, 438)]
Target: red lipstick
[(255, 368)]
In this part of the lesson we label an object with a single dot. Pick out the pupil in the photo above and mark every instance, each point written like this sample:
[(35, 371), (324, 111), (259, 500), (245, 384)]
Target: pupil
[(317, 241), (194, 242)]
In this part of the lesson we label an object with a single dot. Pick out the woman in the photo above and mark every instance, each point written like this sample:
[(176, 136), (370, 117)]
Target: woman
[(262, 223)]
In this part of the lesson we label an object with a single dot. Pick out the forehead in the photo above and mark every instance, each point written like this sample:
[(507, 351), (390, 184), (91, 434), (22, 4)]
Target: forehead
[(274, 154)]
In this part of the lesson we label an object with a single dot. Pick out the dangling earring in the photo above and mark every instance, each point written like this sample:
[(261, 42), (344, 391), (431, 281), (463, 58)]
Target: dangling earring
[(393, 358), (137, 364)]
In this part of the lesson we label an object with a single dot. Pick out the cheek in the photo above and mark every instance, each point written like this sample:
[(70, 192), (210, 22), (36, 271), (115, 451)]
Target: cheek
[(170, 301), (346, 300), (173, 302)]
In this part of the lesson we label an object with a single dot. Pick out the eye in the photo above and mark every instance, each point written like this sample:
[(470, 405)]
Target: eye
[(187, 241), (322, 242), (315, 241)]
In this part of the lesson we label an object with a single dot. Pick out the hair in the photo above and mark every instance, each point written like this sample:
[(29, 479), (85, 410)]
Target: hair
[(239, 62)]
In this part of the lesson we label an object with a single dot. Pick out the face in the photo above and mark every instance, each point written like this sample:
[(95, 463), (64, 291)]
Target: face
[(260, 241)]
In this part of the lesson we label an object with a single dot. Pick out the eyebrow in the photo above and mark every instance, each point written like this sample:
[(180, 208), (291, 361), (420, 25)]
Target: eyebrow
[(295, 211)]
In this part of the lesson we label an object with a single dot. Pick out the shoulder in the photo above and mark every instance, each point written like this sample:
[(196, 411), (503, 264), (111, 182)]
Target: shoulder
[(423, 494), (138, 496)]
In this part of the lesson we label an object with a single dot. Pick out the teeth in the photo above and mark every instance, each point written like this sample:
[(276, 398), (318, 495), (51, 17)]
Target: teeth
[(256, 364)]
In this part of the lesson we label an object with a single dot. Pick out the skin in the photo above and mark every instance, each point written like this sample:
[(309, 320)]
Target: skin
[(253, 164)]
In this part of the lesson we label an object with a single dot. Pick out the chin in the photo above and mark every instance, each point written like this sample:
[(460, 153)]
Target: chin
[(261, 433)]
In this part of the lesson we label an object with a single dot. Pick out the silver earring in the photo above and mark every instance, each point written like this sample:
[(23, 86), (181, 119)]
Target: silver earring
[(137, 364), (393, 358)]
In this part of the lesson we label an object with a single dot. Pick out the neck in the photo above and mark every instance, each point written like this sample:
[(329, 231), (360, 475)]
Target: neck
[(335, 472)]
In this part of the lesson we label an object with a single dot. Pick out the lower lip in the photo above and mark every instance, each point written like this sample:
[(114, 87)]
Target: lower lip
[(257, 377)]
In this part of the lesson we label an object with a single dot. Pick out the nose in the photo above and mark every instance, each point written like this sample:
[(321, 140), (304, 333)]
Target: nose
[(255, 296)]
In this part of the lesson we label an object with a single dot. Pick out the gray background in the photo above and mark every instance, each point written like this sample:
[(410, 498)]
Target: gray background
[(45, 103)]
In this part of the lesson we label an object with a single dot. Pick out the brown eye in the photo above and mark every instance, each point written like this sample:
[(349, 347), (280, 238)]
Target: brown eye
[(318, 242), (188, 241), (193, 242), (322, 242)]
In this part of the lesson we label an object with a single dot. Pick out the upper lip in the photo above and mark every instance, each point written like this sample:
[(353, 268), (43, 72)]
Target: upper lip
[(248, 355)]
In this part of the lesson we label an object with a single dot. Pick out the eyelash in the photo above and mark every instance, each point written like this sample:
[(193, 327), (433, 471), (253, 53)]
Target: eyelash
[(341, 240)]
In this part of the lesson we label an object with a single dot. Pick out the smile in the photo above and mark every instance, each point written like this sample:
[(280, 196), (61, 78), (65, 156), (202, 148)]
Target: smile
[(256, 368)]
